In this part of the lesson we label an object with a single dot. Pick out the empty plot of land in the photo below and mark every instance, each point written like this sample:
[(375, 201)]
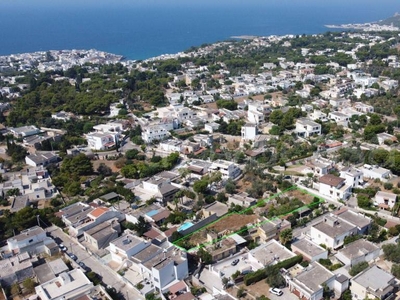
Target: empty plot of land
[(226, 225), (302, 196)]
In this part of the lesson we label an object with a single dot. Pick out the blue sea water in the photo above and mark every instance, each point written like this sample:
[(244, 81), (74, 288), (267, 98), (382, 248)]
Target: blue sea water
[(140, 29)]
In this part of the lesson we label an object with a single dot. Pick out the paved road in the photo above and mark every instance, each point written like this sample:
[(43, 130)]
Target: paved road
[(109, 277)]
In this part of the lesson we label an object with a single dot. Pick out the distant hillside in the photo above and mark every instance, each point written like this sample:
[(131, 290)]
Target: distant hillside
[(395, 20)]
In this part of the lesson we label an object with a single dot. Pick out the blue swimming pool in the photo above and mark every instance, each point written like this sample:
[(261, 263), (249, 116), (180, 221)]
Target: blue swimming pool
[(185, 226), (152, 212)]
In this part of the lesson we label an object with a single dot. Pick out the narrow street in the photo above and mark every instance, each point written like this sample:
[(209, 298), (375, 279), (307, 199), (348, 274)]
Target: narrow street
[(108, 277)]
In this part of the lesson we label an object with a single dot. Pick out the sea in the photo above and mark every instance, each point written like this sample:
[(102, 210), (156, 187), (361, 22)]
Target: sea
[(139, 29)]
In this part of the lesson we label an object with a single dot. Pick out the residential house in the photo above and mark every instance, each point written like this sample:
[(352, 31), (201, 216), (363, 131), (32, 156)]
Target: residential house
[(309, 250), (362, 107), (376, 172), (154, 133), (101, 140), (319, 166), (309, 283), (318, 115), (62, 115), (385, 200), (383, 137), (126, 246), (249, 132), (269, 253), (352, 176), (339, 118), (93, 218), (334, 187), (222, 249), (16, 269), (171, 146), (100, 236), (228, 169), (307, 128), (362, 222), (165, 268), (357, 252), (160, 188), (26, 239), (24, 131), (241, 199), (332, 231), (211, 127), (372, 283), (68, 285), (270, 229), (44, 159)]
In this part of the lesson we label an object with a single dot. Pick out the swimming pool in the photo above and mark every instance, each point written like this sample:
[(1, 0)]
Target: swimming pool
[(185, 226), (152, 212)]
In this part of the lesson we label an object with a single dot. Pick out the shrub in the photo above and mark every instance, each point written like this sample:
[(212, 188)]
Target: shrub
[(358, 268)]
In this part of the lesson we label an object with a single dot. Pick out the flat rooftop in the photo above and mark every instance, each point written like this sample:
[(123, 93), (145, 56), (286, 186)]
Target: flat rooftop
[(127, 241), (33, 231), (358, 220), (358, 248), (339, 228), (313, 277), (271, 252), (308, 247), (374, 278)]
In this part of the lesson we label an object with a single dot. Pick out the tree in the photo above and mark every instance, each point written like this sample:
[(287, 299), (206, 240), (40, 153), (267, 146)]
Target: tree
[(104, 170), (241, 293), (205, 256), (286, 236), (15, 289), (395, 270), (141, 226), (200, 186), (29, 285), (230, 186), (363, 201), (358, 268)]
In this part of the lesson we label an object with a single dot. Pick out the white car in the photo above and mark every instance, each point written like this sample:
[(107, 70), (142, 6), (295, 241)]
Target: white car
[(276, 291)]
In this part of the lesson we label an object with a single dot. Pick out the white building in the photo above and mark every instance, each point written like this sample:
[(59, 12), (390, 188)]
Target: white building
[(376, 172), (334, 187), (306, 128), (154, 133), (125, 246), (24, 131), (68, 285), (339, 118), (101, 140), (372, 283), (385, 200), (318, 115), (357, 252), (352, 176), (26, 238), (309, 283), (228, 169), (249, 132), (331, 231), (171, 146)]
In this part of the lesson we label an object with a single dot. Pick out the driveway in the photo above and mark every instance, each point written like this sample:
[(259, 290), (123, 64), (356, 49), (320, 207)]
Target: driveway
[(108, 276), (287, 295)]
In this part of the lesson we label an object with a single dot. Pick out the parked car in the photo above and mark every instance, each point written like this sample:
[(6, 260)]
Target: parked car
[(83, 266), (276, 291), (73, 256), (63, 248), (235, 262)]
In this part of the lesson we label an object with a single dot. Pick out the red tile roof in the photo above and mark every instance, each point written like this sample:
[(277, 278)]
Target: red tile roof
[(98, 212)]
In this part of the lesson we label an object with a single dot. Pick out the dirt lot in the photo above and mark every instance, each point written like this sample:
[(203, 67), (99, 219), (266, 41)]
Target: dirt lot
[(252, 291), (302, 196), (108, 163), (232, 223)]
